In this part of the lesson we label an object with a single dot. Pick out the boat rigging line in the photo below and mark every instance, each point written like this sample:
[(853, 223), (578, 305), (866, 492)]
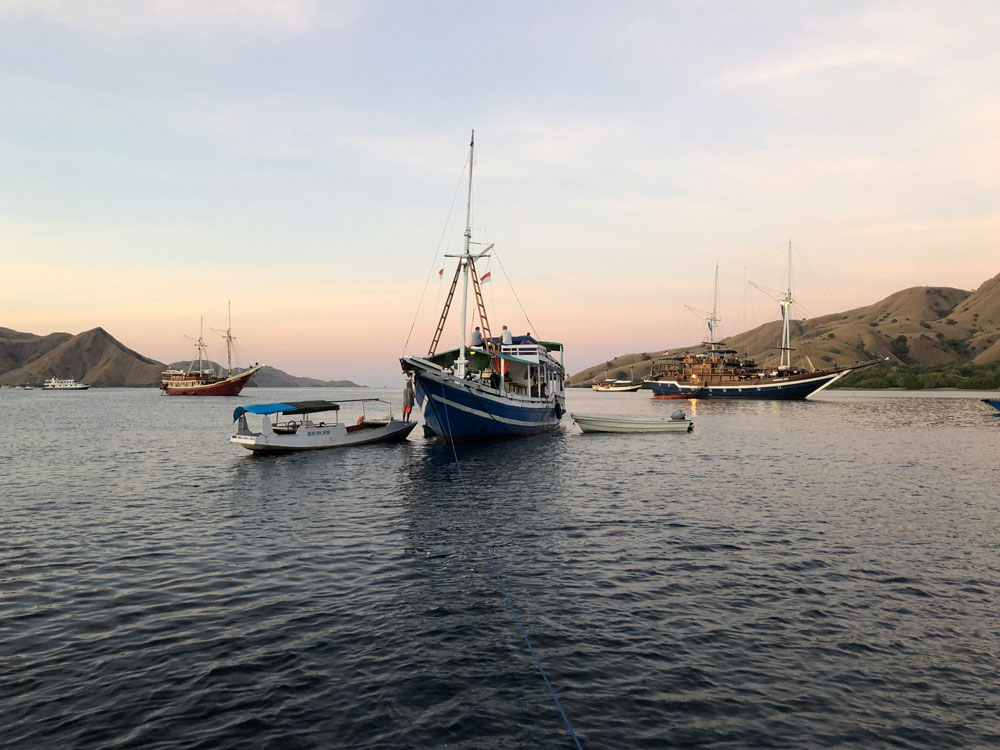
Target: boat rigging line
[(430, 271), (496, 572), (507, 277)]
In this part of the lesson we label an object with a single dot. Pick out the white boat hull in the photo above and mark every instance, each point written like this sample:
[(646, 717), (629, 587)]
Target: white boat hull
[(595, 423), (310, 437)]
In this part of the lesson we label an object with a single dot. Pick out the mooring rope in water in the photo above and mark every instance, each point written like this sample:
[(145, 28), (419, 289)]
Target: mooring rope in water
[(496, 572)]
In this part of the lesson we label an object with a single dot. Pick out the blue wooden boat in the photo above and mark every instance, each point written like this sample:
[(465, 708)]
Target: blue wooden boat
[(507, 386), (994, 402)]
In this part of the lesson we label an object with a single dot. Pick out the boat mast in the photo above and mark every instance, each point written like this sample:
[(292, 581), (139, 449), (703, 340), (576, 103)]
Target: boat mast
[(786, 309), (464, 263), (713, 319), (201, 343), (229, 338)]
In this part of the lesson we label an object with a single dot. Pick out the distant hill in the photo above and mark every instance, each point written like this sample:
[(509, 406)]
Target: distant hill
[(926, 326), (93, 357), (98, 358)]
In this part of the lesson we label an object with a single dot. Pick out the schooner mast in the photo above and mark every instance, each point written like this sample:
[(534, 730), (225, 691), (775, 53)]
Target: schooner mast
[(712, 318), (786, 314), (228, 336), (200, 344), (785, 362)]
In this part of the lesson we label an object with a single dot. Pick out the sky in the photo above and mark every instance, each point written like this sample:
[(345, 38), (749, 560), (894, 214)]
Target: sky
[(306, 161)]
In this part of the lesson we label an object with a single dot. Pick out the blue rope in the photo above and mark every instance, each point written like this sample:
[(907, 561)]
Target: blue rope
[(496, 572)]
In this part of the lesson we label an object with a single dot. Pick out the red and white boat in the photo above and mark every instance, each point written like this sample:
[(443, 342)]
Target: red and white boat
[(205, 381)]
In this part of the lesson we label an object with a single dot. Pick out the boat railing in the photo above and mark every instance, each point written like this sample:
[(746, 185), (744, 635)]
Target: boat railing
[(525, 351)]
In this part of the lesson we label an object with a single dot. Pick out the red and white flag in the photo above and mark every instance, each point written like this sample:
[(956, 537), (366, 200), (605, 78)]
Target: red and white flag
[(441, 274), (666, 351), (485, 277)]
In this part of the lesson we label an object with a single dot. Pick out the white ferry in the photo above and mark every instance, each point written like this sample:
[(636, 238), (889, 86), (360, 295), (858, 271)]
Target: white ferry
[(64, 384)]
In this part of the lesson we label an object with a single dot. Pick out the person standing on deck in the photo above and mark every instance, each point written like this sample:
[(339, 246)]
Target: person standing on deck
[(505, 338), (408, 399)]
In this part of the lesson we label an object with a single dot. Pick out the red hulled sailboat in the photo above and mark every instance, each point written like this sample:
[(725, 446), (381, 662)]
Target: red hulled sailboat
[(205, 381)]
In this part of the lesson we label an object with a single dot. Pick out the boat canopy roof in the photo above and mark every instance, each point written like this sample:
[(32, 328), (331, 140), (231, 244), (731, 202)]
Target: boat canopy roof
[(287, 407), (511, 357), (722, 351)]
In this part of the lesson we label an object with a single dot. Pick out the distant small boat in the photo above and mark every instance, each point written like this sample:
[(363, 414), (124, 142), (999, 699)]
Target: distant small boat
[(677, 422), (994, 402), (61, 384), (298, 428), (205, 381), (617, 386)]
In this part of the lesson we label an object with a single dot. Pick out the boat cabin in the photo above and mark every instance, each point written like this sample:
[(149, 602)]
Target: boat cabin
[(715, 365), (525, 367)]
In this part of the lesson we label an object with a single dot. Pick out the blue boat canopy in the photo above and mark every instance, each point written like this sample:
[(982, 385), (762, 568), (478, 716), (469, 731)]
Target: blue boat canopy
[(287, 407)]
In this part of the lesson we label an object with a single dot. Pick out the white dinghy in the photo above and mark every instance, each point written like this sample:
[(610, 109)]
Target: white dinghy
[(600, 423), (311, 425)]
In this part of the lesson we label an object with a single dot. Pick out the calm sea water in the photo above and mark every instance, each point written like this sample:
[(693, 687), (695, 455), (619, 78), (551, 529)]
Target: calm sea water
[(814, 574)]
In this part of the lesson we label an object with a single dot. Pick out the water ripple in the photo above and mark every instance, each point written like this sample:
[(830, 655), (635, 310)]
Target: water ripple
[(787, 575)]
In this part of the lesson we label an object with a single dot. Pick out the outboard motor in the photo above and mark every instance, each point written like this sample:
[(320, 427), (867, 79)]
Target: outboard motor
[(678, 416)]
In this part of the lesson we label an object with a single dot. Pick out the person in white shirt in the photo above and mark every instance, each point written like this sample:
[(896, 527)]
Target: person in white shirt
[(505, 337)]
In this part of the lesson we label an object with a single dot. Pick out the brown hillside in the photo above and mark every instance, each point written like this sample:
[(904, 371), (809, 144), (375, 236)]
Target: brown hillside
[(979, 316), (93, 357), (922, 325), (18, 349)]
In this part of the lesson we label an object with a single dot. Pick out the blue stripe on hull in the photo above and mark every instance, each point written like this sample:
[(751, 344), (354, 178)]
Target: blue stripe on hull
[(462, 414), (788, 391)]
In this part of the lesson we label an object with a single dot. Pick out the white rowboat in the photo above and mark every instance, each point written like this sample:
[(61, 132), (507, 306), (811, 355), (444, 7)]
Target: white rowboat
[(598, 423)]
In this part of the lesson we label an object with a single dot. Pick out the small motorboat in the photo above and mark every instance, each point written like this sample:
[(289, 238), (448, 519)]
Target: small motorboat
[(994, 402), (311, 425), (677, 422), (617, 386)]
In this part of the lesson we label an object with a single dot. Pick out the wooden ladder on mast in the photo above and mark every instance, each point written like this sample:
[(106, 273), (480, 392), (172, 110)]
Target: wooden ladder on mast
[(491, 347), (444, 313)]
